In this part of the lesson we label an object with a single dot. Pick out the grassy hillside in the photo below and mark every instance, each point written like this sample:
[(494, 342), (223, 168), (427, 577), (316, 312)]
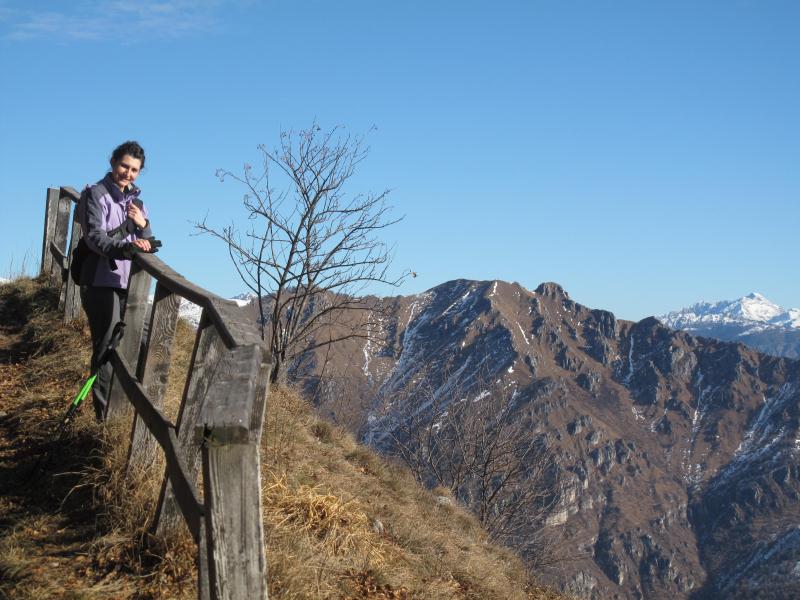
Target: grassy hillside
[(339, 521)]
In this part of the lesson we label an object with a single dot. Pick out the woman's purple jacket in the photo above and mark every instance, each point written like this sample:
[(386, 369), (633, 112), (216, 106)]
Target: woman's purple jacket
[(107, 208)]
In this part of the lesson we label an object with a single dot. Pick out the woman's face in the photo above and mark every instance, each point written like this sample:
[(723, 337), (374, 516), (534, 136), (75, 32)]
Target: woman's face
[(125, 170)]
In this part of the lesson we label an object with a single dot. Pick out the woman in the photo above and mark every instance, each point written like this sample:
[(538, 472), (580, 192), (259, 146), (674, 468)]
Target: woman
[(115, 225)]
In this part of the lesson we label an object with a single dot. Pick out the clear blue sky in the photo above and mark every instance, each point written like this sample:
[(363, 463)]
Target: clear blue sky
[(644, 155)]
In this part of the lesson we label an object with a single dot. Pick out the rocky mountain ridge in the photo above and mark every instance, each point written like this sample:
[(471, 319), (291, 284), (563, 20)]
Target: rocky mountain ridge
[(680, 453)]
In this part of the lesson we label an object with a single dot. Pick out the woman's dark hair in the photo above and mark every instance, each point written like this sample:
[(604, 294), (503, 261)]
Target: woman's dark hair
[(131, 148)]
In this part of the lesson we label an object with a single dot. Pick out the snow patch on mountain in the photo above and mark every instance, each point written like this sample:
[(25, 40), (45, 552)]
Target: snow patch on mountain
[(244, 299), (190, 312), (767, 553), (763, 437), (752, 313), (525, 337), (793, 318)]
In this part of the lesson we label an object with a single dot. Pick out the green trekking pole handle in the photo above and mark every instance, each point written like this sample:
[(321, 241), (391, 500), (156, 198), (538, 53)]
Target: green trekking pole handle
[(84, 391), (73, 407)]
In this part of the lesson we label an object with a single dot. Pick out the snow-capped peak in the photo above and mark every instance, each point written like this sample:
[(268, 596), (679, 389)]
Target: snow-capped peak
[(244, 299), (753, 311), (755, 307)]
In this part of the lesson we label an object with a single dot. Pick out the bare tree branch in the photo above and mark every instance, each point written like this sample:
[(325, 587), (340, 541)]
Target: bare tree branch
[(311, 247)]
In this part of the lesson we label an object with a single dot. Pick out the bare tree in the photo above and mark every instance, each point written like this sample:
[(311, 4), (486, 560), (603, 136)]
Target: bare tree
[(473, 441), (311, 247)]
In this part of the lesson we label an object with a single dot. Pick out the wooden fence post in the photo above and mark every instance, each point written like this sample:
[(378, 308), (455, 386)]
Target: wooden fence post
[(138, 290), (50, 218), (72, 297), (203, 584), (206, 359), (230, 426), (59, 231), (155, 369)]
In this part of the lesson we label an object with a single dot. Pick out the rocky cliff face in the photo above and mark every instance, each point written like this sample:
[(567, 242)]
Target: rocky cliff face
[(680, 453)]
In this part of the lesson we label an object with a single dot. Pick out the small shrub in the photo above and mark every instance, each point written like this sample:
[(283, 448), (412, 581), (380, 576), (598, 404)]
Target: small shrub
[(365, 459), (323, 431)]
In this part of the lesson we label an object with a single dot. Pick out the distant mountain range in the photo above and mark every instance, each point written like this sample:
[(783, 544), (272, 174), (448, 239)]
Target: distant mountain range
[(680, 452), (752, 320)]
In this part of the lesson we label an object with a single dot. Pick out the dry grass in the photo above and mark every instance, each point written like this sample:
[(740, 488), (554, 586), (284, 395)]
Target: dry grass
[(340, 527), (343, 523), (72, 525), (339, 521)]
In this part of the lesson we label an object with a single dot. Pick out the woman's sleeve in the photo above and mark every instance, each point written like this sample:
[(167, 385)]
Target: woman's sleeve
[(95, 233)]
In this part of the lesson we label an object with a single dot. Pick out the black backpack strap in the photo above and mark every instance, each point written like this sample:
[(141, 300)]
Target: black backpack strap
[(127, 226), (120, 229)]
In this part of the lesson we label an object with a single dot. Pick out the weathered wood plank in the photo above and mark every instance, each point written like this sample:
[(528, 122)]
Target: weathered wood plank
[(50, 218), (70, 192), (260, 403), (203, 587), (227, 414), (58, 256), (185, 492), (232, 493), (138, 290), (242, 329), (59, 240), (187, 497), (230, 423), (175, 281), (155, 371), (72, 300)]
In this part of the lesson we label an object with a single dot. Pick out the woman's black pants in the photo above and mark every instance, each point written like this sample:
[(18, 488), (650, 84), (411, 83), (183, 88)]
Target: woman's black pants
[(104, 307)]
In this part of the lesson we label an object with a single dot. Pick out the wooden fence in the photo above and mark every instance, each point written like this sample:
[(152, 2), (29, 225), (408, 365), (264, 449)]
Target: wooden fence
[(220, 418)]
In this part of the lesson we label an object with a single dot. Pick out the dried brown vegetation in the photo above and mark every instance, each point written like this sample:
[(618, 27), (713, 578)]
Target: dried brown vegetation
[(339, 521), (71, 525)]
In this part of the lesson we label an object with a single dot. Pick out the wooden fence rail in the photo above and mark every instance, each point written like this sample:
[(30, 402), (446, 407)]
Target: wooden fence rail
[(220, 419)]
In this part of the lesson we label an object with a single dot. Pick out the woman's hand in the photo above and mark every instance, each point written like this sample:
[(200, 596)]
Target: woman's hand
[(136, 216), (143, 245)]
